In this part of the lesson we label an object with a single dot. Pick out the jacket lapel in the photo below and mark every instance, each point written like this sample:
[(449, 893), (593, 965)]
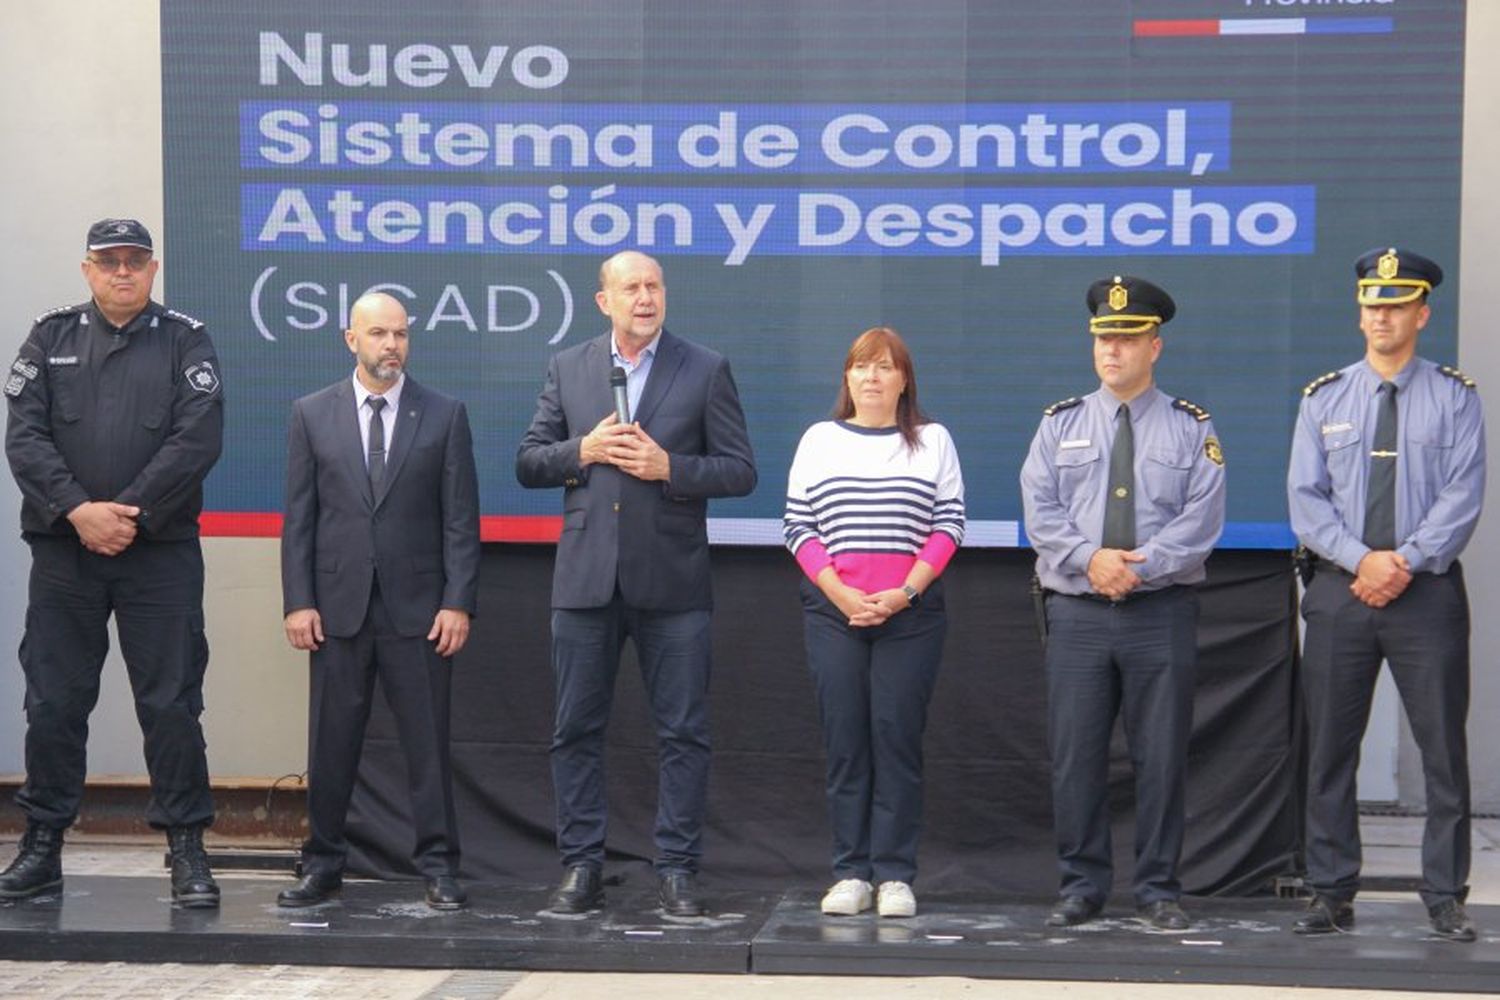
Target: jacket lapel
[(407, 420), (345, 420), (664, 369)]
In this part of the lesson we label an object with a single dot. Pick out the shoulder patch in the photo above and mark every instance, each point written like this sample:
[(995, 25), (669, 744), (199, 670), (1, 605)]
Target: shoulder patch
[(1320, 382), (1191, 408), (1458, 376), (59, 311), (1060, 405), (196, 324)]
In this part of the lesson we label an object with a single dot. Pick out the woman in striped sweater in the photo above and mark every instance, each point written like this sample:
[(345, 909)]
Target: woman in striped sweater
[(874, 511)]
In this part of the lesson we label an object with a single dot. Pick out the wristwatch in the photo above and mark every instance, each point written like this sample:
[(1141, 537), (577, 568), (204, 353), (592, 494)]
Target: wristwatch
[(913, 595)]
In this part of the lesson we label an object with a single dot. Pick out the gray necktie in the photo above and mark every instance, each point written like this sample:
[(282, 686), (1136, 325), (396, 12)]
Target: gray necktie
[(376, 463), (1119, 506), (1380, 491)]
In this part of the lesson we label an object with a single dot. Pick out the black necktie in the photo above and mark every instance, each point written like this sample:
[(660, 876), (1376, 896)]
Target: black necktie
[(1380, 491), (376, 464), (1119, 506)]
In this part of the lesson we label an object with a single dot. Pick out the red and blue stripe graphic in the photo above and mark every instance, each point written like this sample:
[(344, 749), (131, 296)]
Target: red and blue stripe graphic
[(1264, 26)]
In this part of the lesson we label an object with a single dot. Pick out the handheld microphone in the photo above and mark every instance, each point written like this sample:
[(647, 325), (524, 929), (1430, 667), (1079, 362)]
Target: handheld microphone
[(622, 399)]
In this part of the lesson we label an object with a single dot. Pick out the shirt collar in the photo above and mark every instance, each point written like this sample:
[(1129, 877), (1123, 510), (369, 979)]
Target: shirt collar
[(392, 396), (649, 351)]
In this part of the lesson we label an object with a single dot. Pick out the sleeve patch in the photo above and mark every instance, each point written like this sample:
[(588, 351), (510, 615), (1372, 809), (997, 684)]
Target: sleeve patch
[(14, 384), (202, 377), (25, 368), (1212, 450), (1060, 405), (1192, 409), (1320, 382)]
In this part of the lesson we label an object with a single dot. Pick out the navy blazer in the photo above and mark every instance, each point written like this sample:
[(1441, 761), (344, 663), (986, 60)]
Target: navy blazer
[(650, 537), (419, 537)]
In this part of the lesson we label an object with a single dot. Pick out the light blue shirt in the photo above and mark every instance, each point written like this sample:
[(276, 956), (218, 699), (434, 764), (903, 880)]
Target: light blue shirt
[(1179, 495), (1439, 464), (637, 373)]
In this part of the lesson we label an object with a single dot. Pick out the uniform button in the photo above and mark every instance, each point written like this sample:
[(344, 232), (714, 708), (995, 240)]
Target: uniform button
[(617, 506)]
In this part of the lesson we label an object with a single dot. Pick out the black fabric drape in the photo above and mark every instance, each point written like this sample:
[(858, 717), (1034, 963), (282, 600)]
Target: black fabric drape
[(988, 803)]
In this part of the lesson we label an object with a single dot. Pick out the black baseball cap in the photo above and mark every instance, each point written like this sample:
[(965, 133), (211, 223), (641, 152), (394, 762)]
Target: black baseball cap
[(108, 233)]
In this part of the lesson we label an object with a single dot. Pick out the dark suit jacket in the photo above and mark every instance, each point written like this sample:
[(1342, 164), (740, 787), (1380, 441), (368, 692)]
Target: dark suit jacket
[(419, 537), (650, 536)]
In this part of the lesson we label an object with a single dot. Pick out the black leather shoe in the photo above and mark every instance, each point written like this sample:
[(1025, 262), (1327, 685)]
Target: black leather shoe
[(1326, 915), (1073, 910), (444, 893), (1451, 921), (678, 894), (1164, 915), (311, 889), (580, 891)]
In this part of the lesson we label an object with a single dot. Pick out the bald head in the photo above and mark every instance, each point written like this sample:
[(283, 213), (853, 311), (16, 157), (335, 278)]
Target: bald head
[(377, 337)]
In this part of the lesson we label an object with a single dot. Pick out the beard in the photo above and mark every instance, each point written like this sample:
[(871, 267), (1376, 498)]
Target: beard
[(384, 369)]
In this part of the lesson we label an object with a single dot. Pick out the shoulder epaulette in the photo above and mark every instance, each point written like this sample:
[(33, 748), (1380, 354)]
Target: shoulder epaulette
[(196, 324), (1458, 376), (59, 311), (1060, 405), (1191, 408), (1320, 382)]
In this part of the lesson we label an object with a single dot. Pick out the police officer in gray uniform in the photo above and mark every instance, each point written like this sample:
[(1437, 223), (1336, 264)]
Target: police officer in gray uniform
[(1124, 499), (116, 417), (1385, 486)]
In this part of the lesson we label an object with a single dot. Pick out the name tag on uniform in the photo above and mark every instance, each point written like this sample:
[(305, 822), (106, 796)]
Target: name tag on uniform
[(1337, 428), (70, 359), (1074, 443)]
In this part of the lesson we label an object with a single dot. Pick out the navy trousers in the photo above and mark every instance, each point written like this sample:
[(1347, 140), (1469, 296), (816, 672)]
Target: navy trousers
[(155, 592), (1424, 636), (674, 652), (1138, 655), (416, 682), (873, 686)]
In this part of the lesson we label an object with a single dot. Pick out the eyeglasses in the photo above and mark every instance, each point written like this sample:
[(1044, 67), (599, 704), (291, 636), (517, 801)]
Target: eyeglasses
[(110, 263)]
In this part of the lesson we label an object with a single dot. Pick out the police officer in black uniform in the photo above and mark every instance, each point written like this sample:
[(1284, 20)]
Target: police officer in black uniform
[(116, 417)]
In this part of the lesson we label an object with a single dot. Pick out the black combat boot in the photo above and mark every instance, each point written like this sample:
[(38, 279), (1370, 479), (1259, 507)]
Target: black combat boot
[(38, 863), (193, 884)]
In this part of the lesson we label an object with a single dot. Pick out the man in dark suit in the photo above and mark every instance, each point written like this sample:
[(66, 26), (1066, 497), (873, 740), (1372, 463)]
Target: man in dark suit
[(633, 561), (379, 574)]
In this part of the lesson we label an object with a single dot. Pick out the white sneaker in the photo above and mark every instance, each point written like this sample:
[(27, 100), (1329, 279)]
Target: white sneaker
[(896, 900), (848, 897)]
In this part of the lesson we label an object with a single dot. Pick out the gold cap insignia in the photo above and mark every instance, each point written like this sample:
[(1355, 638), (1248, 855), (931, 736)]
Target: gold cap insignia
[(1119, 298), (1388, 264)]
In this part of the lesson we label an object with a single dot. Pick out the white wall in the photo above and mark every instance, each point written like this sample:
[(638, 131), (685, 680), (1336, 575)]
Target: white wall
[(80, 83), (81, 91)]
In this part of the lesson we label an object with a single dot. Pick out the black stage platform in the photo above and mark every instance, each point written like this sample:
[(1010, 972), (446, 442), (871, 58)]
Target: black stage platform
[(102, 918)]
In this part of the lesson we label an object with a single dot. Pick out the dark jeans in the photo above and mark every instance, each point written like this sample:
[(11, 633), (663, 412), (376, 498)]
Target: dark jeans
[(674, 652), (155, 591), (873, 686), (1138, 655), (1424, 636)]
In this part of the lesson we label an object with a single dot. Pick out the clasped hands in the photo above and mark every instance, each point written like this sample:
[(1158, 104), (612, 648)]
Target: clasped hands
[(625, 446), (866, 610), (105, 527), (1381, 577), (1110, 574)]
